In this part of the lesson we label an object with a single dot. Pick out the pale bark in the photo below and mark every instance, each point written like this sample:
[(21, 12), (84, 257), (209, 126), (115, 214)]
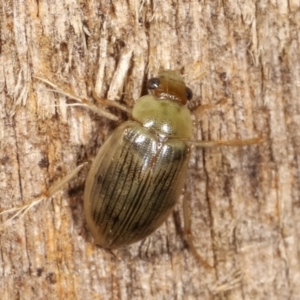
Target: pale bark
[(245, 201)]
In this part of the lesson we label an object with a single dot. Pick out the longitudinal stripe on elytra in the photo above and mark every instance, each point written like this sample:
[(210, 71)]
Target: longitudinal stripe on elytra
[(136, 199), (123, 226), (105, 191), (155, 207), (124, 171), (129, 186)]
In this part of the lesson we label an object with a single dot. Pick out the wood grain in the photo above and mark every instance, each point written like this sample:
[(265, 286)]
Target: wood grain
[(245, 201)]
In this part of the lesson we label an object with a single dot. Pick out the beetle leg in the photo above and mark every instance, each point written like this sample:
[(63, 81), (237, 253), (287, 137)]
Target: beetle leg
[(111, 103), (20, 211), (188, 233), (85, 102), (237, 142)]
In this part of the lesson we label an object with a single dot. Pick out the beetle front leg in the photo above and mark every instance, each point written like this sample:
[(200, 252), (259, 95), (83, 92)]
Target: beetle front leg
[(107, 102), (87, 103)]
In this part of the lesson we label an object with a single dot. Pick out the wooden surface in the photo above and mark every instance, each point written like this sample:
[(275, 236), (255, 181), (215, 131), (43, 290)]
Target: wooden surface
[(245, 201)]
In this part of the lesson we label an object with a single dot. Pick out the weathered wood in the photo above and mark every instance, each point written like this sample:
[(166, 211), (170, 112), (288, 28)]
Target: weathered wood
[(245, 201)]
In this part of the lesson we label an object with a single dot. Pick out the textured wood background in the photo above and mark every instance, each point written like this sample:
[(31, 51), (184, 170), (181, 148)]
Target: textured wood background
[(245, 201)]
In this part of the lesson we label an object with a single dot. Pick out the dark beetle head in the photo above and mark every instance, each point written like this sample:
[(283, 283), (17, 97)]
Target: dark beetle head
[(169, 85)]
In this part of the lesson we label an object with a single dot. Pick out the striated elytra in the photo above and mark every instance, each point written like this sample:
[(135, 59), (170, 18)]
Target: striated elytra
[(138, 174)]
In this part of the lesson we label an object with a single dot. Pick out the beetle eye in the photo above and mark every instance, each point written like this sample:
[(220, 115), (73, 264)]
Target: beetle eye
[(189, 93), (153, 83)]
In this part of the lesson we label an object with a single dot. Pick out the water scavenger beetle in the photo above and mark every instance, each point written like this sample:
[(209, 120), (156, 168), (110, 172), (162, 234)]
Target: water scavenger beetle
[(139, 172)]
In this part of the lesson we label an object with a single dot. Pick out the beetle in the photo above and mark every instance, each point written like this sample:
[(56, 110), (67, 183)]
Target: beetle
[(139, 172)]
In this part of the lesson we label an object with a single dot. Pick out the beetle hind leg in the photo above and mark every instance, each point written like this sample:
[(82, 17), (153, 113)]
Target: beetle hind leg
[(20, 211), (188, 233)]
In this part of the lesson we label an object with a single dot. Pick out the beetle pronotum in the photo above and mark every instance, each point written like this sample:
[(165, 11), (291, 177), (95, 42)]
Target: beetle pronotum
[(139, 172)]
